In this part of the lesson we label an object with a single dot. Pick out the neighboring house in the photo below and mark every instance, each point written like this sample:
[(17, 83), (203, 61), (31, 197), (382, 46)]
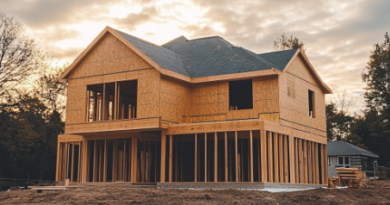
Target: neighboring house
[(344, 154), (199, 110)]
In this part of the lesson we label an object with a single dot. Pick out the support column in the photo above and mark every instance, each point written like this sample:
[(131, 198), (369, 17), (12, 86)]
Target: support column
[(170, 157), (285, 158), (305, 161), (251, 154), (163, 156), (215, 157), (322, 164), (226, 159), (196, 159), (326, 163), (134, 151), (292, 151), (85, 161), (310, 162), (281, 169), (94, 161), (59, 161), (236, 152), (105, 162), (301, 167), (205, 157), (317, 164), (263, 149), (270, 161), (276, 157)]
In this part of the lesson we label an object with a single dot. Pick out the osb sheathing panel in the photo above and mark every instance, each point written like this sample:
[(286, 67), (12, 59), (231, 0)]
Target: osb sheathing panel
[(76, 100), (210, 101), (109, 56), (175, 99), (148, 102), (294, 103)]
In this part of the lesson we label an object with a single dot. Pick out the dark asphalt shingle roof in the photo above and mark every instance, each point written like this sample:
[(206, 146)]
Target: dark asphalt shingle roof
[(338, 148), (208, 56)]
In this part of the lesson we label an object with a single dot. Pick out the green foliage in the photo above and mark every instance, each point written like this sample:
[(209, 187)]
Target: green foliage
[(284, 43)]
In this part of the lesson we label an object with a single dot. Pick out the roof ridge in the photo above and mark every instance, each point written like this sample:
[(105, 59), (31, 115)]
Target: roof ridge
[(258, 57), (277, 51)]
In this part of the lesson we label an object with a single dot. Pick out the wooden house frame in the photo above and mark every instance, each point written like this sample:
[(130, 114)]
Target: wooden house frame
[(134, 116)]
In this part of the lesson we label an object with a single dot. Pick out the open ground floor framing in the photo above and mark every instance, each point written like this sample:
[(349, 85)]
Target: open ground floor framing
[(227, 152)]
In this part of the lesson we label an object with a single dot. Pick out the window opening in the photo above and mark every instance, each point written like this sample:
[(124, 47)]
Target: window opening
[(311, 104), (240, 95), (127, 99)]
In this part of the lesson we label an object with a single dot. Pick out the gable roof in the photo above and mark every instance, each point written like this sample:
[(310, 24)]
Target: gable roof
[(201, 60), (339, 148)]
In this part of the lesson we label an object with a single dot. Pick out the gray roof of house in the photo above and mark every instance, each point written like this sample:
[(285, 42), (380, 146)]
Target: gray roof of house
[(338, 148), (209, 56)]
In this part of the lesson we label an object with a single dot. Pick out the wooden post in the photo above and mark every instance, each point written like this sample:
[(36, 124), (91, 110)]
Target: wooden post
[(105, 162), (276, 157), (215, 157), (115, 101), (163, 156), (310, 162), (205, 157), (301, 167), (270, 161), (236, 153), (85, 161), (104, 103), (322, 164), (281, 169), (325, 155), (170, 157), (251, 153), (285, 158), (317, 164), (291, 152), (305, 161), (263, 144), (94, 161), (226, 159), (134, 150), (296, 163), (59, 161), (196, 158)]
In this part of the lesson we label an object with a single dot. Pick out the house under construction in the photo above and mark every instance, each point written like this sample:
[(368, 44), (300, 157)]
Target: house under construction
[(197, 113)]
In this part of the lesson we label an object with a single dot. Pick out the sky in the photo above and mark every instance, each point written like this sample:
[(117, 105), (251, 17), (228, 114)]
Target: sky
[(338, 34)]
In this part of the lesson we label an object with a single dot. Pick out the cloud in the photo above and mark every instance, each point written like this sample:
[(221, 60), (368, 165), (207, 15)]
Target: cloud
[(338, 34)]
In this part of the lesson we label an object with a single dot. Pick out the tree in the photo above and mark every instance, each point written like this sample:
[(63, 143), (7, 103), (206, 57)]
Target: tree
[(19, 58), (284, 43), (377, 96)]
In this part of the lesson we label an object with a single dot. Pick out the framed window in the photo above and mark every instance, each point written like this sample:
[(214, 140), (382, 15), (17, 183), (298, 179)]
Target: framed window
[(240, 95), (343, 162), (311, 104)]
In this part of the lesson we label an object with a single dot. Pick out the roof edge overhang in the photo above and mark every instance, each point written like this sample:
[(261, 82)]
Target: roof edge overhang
[(82, 55), (368, 155), (299, 53)]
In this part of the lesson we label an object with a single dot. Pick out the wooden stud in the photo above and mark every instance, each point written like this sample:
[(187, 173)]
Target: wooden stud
[(163, 156), (170, 157), (285, 158), (104, 103), (226, 158), (124, 166), (292, 150), (317, 163), (322, 164), (310, 162), (85, 160), (176, 162), (105, 162), (251, 154), (134, 147), (236, 153), (263, 144), (270, 159), (301, 166), (325, 155), (94, 161), (205, 157), (276, 157), (59, 161), (281, 169), (196, 158), (305, 161), (215, 157)]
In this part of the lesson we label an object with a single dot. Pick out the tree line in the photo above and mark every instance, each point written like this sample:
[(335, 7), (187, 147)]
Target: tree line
[(31, 105), (369, 129)]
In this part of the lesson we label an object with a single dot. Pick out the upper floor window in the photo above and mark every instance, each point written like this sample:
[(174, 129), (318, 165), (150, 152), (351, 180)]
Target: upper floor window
[(311, 104), (112, 101), (240, 95)]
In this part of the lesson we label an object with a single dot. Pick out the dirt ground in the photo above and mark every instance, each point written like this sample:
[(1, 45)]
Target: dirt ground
[(377, 192)]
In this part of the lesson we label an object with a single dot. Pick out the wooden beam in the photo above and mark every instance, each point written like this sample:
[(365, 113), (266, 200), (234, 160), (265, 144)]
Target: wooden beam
[(305, 167), (322, 164), (317, 163), (281, 168), (94, 161), (301, 167), (85, 161), (59, 161), (285, 158), (291, 151), (215, 157), (226, 159), (276, 157), (170, 157), (251, 154), (270, 159), (263, 149), (325, 155), (205, 157), (124, 164), (236, 153), (105, 162), (134, 151), (79, 162), (196, 158), (104, 103), (310, 162), (115, 101)]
